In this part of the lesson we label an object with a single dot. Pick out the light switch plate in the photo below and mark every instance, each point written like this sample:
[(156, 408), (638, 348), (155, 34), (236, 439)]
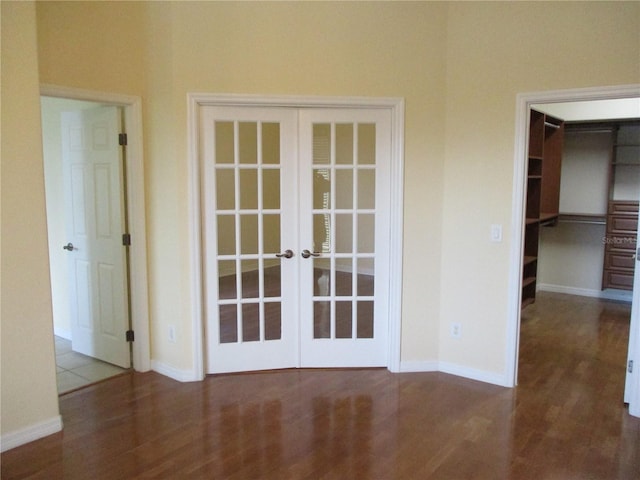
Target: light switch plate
[(496, 233)]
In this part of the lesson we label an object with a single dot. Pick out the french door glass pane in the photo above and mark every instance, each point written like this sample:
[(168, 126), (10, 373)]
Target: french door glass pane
[(365, 319), (322, 233), (344, 189), (224, 149), (321, 189), (344, 280), (248, 142), (321, 319), (366, 233), (250, 322), (227, 279), (271, 189), (366, 189), (248, 189), (225, 189), (272, 281), (343, 320), (226, 235), (270, 143), (321, 277), (249, 234), (366, 144), (272, 321), (344, 233), (228, 323), (271, 234), (344, 144), (321, 143)]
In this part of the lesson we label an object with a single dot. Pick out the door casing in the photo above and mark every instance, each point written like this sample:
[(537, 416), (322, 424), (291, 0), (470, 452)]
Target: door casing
[(396, 108)]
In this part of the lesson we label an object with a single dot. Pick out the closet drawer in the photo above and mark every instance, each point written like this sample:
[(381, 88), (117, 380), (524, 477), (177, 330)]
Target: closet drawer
[(620, 242), (620, 261), (622, 224), (619, 280), (624, 208)]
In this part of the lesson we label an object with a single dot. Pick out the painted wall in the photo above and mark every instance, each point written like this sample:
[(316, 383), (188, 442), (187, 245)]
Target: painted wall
[(28, 390), (458, 66)]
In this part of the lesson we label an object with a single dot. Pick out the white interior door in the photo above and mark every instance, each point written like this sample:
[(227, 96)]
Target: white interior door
[(296, 228), (94, 220), (250, 207), (344, 223)]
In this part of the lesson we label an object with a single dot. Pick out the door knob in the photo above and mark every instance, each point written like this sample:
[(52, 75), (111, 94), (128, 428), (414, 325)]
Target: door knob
[(285, 254), (306, 254), (69, 246)]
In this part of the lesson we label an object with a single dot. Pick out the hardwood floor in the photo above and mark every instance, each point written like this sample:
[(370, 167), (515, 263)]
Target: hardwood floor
[(565, 420)]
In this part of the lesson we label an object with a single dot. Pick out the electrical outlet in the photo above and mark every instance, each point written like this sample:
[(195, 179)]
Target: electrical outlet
[(456, 330), (172, 333)]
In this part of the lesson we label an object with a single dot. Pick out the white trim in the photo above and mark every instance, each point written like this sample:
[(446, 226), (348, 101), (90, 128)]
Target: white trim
[(474, 374), (418, 366), (523, 104), (395, 105), (137, 223), (609, 294), (29, 434), (454, 369), (174, 373)]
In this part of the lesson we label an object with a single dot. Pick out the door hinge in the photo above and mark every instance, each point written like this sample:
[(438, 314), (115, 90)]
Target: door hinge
[(130, 336), (126, 239), (630, 366), (122, 139)]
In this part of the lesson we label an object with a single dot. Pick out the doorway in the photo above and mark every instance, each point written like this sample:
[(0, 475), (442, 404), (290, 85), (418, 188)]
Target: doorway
[(125, 109), (307, 270), (581, 97), (86, 219)]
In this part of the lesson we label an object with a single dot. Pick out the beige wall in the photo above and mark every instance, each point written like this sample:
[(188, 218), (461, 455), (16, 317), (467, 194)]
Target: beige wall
[(458, 66), (29, 395)]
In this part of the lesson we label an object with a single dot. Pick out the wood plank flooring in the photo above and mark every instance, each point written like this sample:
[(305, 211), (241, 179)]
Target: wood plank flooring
[(565, 420)]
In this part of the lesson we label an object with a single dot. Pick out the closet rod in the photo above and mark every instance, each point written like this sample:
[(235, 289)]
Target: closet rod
[(552, 125)]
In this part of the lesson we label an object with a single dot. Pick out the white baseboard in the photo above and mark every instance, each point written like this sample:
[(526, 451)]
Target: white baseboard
[(175, 373), (419, 366), (453, 369), (609, 294), (473, 374), (29, 434)]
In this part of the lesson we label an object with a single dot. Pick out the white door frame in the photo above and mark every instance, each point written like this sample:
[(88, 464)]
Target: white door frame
[(136, 208), (523, 104), (394, 105)]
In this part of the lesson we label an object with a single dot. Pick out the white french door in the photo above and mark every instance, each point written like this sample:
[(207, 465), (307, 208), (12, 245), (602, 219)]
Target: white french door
[(296, 228)]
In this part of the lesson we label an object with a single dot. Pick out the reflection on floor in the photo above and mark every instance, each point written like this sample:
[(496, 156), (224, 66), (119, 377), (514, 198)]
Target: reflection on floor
[(75, 370)]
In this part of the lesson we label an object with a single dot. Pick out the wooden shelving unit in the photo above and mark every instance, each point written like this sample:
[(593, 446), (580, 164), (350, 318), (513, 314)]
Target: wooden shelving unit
[(544, 159), (622, 214)]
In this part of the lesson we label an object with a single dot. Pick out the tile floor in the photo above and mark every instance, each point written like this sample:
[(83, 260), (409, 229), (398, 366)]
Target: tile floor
[(75, 370)]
